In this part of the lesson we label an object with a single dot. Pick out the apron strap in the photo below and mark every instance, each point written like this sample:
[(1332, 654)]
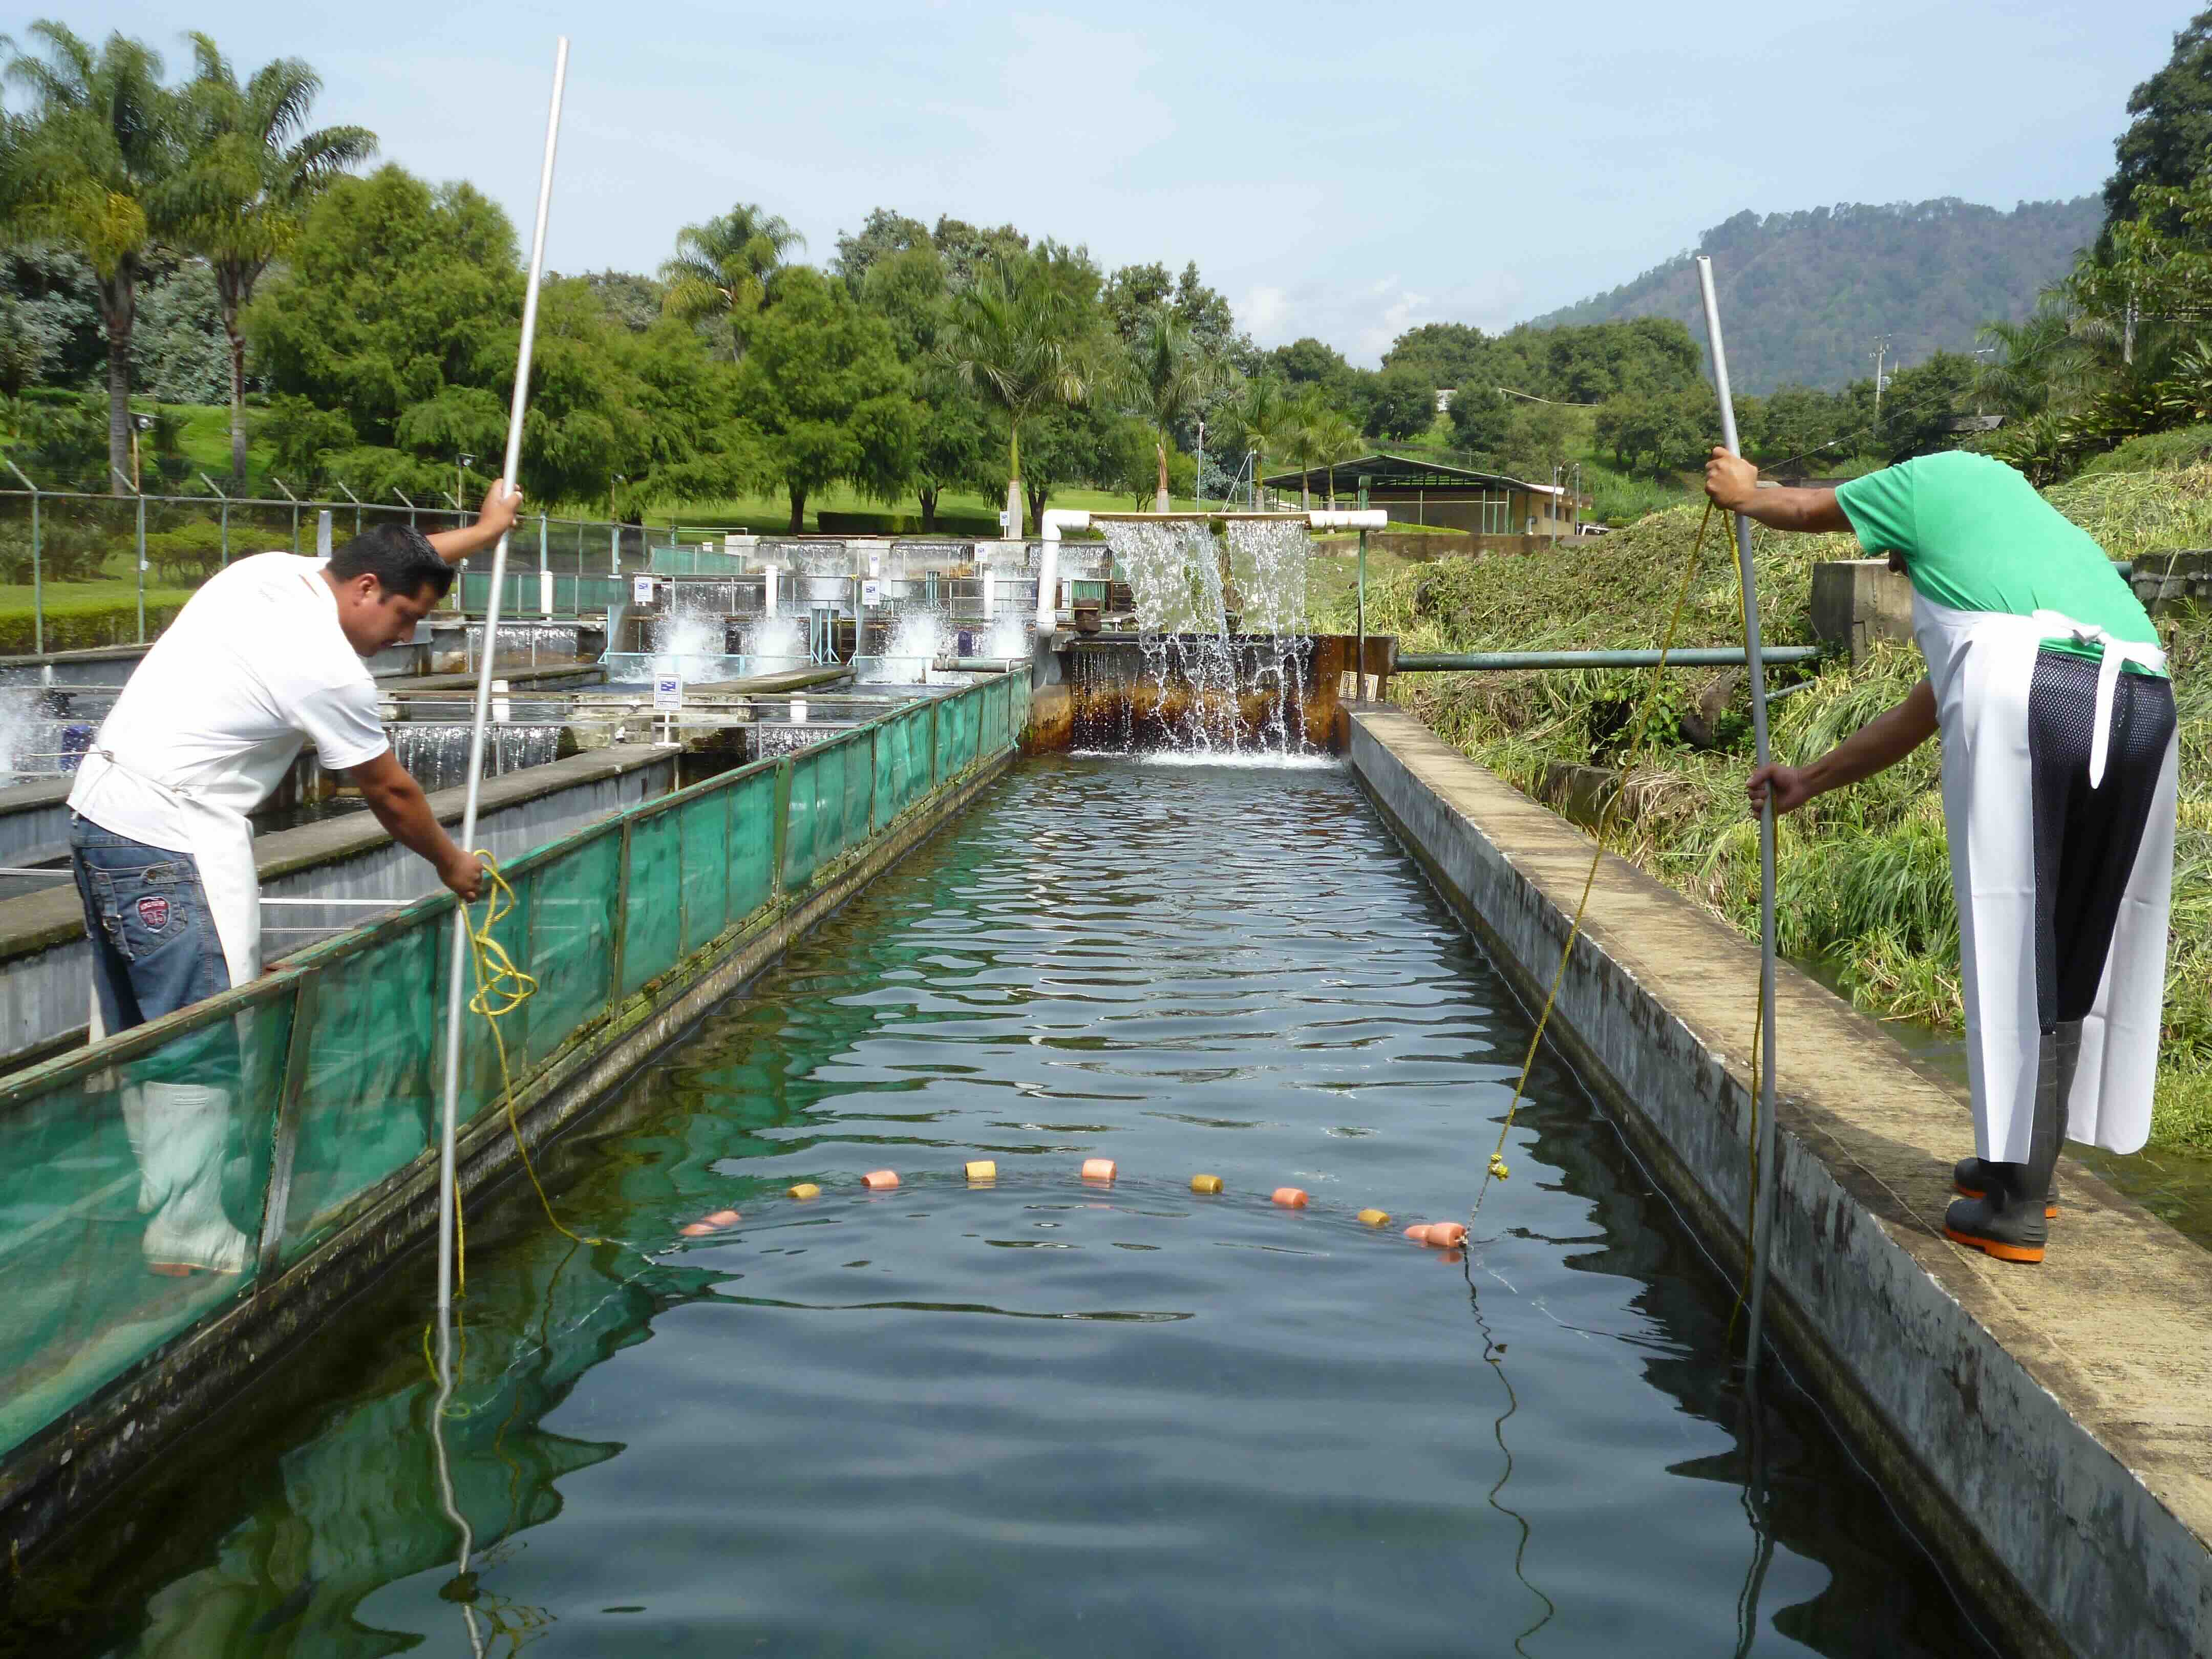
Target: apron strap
[(2116, 654)]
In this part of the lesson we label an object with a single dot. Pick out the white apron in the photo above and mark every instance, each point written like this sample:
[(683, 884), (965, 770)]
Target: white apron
[(222, 843), (1981, 665)]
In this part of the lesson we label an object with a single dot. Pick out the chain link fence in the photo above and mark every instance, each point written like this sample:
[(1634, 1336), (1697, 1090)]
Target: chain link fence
[(80, 571)]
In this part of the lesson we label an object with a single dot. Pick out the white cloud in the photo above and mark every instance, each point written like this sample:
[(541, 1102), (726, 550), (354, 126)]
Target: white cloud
[(1361, 318)]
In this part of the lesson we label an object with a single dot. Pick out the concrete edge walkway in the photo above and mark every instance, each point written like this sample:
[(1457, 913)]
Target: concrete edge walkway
[(2048, 1429)]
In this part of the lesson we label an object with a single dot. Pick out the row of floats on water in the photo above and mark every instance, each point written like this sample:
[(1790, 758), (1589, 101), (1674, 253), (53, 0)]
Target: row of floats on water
[(1096, 1172)]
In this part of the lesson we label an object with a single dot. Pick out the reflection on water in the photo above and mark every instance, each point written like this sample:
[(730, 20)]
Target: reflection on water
[(1037, 1416)]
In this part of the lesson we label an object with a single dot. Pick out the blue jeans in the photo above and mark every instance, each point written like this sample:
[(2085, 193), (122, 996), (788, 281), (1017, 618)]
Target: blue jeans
[(154, 948)]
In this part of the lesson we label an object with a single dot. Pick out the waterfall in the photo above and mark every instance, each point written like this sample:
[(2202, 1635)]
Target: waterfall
[(1221, 645), (436, 755), (524, 643)]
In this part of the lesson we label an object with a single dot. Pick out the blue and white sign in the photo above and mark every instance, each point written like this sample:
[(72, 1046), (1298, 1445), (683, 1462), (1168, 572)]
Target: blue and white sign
[(641, 590), (668, 692)]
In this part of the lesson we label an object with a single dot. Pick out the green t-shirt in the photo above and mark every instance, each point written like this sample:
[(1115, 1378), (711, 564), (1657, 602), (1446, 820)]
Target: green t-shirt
[(1975, 536)]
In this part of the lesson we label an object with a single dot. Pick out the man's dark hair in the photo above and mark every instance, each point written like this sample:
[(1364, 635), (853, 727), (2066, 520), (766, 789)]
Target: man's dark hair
[(398, 556)]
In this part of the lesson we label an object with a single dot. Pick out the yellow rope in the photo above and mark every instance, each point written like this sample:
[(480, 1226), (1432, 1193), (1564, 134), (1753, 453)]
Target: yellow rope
[(503, 988), (1497, 1169)]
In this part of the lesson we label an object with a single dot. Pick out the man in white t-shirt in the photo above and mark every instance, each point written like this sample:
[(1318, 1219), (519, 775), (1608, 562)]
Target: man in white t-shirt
[(266, 657)]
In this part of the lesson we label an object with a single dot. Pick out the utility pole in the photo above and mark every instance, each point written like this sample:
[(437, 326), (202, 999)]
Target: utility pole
[(1880, 355)]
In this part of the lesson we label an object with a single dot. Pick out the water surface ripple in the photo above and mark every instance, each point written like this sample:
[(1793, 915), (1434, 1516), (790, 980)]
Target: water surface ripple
[(1039, 1419)]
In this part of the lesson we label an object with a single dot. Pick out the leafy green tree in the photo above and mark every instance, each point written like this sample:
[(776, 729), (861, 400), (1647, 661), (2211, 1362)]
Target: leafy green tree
[(823, 384), (907, 287), (1922, 403), (1026, 333), (968, 250), (720, 275), (58, 308), (1171, 376), (631, 300), (178, 349), (1404, 403), (2170, 135), (1480, 421), (254, 167), (884, 233), (1444, 355), (94, 168)]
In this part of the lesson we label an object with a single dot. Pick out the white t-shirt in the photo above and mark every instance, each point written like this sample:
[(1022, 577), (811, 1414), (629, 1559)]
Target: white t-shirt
[(253, 666)]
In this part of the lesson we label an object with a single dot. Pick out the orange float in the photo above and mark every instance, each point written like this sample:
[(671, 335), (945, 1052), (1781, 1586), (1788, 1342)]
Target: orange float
[(724, 1218), (1291, 1198), (880, 1181), (1097, 1169)]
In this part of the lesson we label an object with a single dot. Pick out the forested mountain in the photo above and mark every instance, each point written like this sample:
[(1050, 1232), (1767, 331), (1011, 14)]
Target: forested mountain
[(1805, 296)]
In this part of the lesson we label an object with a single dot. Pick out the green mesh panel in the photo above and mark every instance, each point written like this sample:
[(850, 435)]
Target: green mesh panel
[(80, 1306), (653, 921), (828, 805), (704, 829), (859, 791), (751, 856), (572, 931), (375, 1070), (800, 859)]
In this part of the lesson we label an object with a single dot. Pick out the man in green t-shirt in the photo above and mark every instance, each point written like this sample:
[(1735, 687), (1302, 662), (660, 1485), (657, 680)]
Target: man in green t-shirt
[(2045, 679)]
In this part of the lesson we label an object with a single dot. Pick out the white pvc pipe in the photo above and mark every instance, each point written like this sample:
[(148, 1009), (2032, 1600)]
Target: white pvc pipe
[(1371, 518), (1762, 1239), (448, 1197), (1055, 520)]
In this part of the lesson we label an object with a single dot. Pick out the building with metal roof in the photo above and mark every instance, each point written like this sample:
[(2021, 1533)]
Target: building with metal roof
[(1418, 490)]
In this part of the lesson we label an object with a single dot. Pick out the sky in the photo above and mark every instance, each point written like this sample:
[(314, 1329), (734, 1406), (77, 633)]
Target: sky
[(1341, 171)]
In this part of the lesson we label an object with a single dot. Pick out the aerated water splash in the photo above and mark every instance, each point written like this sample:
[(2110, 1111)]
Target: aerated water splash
[(776, 642), (436, 755), (1223, 654), (917, 637), (693, 636)]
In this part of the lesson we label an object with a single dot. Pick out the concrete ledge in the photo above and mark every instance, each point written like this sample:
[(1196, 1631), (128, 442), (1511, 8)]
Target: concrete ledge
[(2048, 1429), (63, 1472)]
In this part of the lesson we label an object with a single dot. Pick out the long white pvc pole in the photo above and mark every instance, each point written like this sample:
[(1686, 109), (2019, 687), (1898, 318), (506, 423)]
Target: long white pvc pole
[(1762, 1241), (456, 977)]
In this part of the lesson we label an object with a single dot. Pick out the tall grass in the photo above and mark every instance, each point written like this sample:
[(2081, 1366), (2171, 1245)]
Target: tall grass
[(1864, 874)]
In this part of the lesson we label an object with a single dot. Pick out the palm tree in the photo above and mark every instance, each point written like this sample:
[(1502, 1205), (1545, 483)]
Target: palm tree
[(254, 171), (1172, 375), (94, 168), (1336, 437), (2039, 362), (1306, 414), (1024, 333), (1261, 418), (722, 269)]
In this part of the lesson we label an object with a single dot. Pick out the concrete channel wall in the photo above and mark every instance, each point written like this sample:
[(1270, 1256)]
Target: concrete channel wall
[(2048, 1429), (45, 964), (635, 927)]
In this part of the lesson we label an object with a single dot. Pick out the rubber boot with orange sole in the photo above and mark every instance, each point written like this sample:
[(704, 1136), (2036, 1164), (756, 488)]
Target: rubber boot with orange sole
[(2010, 1220), (1969, 1178)]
